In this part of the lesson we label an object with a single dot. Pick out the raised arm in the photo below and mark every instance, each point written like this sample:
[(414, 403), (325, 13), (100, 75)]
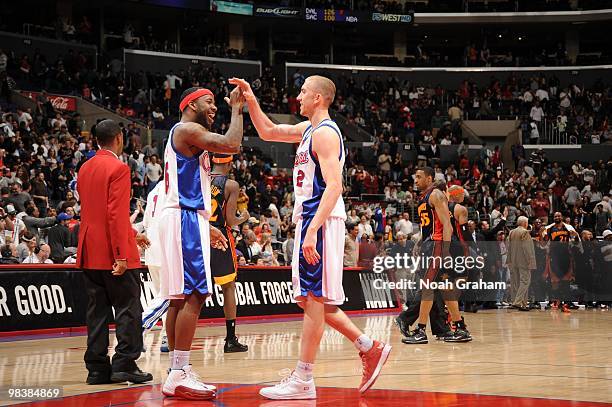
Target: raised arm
[(195, 135), (268, 130), (231, 194), (326, 146)]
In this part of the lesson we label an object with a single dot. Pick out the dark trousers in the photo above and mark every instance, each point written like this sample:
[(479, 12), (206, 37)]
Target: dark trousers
[(123, 294), (437, 316)]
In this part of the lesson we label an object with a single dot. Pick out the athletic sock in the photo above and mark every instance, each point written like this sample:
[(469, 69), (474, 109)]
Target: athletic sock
[(364, 343), (180, 359), (304, 370), (171, 354), (422, 326), (230, 328)]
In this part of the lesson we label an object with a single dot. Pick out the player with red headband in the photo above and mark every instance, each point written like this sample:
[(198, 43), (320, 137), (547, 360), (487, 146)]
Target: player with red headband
[(184, 230)]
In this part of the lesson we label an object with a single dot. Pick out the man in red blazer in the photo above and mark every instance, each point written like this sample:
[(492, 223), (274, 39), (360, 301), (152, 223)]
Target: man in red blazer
[(109, 257)]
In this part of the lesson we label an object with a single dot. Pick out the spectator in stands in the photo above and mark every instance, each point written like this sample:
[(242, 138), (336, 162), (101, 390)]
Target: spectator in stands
[(73, 224), (18, 227), (249, 247), (39, 256), (368, 249), (153, 173), (404, 225), (19, 197), (384, 163), (60, 239), (541, 207), (267, 251), (34, 222), (571, 195), (9, 254), (26, 248), (351, 246), (603, 219), (287, 247), (364, 228)]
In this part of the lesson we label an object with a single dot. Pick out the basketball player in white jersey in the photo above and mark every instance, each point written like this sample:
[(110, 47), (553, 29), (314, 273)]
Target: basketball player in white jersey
[(184, 231), (158, 307), (319, 216)]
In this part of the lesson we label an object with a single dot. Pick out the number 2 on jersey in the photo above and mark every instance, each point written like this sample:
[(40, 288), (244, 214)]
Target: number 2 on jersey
[(300, 178)]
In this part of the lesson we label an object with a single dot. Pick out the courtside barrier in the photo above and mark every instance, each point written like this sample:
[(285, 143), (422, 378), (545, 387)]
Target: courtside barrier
[(52, 298)]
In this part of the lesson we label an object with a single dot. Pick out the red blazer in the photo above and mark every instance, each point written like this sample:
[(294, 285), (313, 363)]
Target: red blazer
[(105, 233)]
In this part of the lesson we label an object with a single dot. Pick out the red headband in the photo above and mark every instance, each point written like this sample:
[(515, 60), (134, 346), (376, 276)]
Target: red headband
[(223, 160), (193, 96)]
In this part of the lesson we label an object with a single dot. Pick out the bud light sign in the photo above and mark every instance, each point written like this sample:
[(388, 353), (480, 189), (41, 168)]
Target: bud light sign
[(273, 11)]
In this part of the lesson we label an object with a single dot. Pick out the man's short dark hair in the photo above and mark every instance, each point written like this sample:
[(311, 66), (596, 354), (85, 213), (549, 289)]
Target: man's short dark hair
[(429, 172), (30, 210), (106, 131)]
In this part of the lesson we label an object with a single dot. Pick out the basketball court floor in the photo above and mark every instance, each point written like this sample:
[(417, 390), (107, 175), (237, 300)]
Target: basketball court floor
[(540, 358)]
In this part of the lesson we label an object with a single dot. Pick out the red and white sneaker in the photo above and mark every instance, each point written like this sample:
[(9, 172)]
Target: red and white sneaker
[(185, 384), (291, 388), (373, 361)]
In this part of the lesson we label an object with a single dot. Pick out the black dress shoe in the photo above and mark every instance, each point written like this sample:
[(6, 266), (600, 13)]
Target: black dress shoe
[(97, 377), (523, 308), (233, 346), (134, 376)]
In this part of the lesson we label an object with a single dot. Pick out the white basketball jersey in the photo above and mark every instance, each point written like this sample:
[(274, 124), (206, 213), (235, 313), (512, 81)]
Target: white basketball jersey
[(155, 204), (308, 182), (186, 179)]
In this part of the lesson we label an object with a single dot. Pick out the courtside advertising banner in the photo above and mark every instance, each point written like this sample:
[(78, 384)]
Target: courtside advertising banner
[(43, 298)]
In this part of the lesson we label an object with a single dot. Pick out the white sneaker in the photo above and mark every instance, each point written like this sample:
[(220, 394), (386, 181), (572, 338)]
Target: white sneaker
[(185, 384), (291, 388)]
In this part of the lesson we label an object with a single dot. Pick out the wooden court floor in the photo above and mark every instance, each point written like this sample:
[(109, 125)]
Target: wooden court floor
[(540, 358)]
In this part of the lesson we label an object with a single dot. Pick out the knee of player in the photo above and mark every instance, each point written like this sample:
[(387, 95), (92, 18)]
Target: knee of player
[(229, 286)]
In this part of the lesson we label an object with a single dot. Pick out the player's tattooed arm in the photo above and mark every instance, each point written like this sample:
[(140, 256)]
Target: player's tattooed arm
[(202, 139)]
